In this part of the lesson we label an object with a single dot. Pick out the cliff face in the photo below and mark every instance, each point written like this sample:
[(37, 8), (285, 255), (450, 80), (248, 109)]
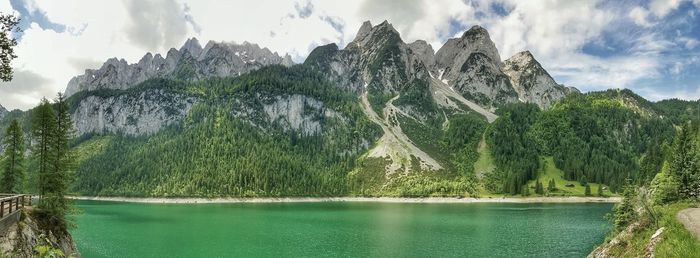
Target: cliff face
[(134, 114), (25, 237)]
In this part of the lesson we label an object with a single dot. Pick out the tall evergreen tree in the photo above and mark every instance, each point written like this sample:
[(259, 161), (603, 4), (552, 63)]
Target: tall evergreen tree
[(552, 185), (600, 190), (588, 190), (43, 130), (61, 164), (13, 144), (684, 164)]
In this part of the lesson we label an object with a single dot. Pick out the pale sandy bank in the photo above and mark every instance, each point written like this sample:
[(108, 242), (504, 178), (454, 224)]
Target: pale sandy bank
[(357, 199)]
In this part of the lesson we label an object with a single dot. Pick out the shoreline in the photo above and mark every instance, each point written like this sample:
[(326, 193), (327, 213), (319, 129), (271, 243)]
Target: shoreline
[(573, 199)]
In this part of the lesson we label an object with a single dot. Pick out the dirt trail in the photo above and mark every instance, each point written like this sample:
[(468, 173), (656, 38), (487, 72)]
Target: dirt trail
[(441, 91), (394, 143), (690, 218)]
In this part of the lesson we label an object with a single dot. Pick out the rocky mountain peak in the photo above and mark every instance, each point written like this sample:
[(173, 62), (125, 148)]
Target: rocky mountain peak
[(192, 46), (369, 35), (364, 30), (424, 51), (532, 82), (457, 50), (524, 58), (475, 32), (190, 62)]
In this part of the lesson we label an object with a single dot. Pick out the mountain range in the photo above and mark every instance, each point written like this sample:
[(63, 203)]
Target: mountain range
[(377, 117)]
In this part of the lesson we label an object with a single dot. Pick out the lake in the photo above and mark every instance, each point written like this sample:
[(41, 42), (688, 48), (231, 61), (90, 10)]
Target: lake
[(338, 229)]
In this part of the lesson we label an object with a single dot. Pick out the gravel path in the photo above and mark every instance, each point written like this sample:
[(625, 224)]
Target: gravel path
[(690, 218)]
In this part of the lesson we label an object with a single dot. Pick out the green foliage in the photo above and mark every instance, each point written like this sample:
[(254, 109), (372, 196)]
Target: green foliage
[(513, 150), (539, 189), (43, 128), (600, 191), (320, 56), (461, 139), (588, 190), (679, 111), (602, 136), (417, 95), (9, 25), (45, 249), (553, 186), (378, 99), (624, 212), (664, 188), (13, 173), (675, 241), (683, 165), (52, 131)]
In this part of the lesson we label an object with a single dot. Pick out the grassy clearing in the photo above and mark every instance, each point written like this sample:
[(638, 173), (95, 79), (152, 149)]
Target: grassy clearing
[(549, 171), (485, 162)]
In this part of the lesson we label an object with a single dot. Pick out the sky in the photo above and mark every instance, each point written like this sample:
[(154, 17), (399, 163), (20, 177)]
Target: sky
[(649, 46)]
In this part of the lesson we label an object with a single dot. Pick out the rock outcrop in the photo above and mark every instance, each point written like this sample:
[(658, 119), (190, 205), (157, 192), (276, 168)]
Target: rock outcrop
[(532, 82), (190, 62), (132, 114), (472, 66), (22, 238), (377, 59)]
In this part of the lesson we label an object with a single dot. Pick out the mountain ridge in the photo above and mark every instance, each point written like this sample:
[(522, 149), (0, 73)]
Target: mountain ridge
[(191, 61)]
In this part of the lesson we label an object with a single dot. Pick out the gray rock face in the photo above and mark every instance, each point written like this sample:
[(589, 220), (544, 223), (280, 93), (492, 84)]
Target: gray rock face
[(298, 113), (190, 62), (424, 51), (376, 59), (136, 114), (471, 65), (457, 51), (532, 82), (480, 79)]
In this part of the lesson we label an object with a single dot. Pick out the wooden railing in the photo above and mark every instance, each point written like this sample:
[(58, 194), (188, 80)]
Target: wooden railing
[(10, 203)]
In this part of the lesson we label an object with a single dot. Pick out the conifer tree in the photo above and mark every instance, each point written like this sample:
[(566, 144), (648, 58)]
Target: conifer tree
[(600, 190), (588, 190), (684, 163), (13, 174), (552, 186), (43, 129), (53, 130)]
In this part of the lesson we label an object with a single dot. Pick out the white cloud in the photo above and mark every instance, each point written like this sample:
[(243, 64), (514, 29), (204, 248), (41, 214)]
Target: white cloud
[(661, 8), (689, 43), (640, 15), (548, 28)]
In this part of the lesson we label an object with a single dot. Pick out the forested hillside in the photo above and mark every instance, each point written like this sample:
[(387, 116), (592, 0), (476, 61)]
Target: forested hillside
[(603, 137)]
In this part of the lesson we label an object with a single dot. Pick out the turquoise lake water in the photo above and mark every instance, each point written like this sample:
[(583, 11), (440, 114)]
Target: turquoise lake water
[(338, 229)]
